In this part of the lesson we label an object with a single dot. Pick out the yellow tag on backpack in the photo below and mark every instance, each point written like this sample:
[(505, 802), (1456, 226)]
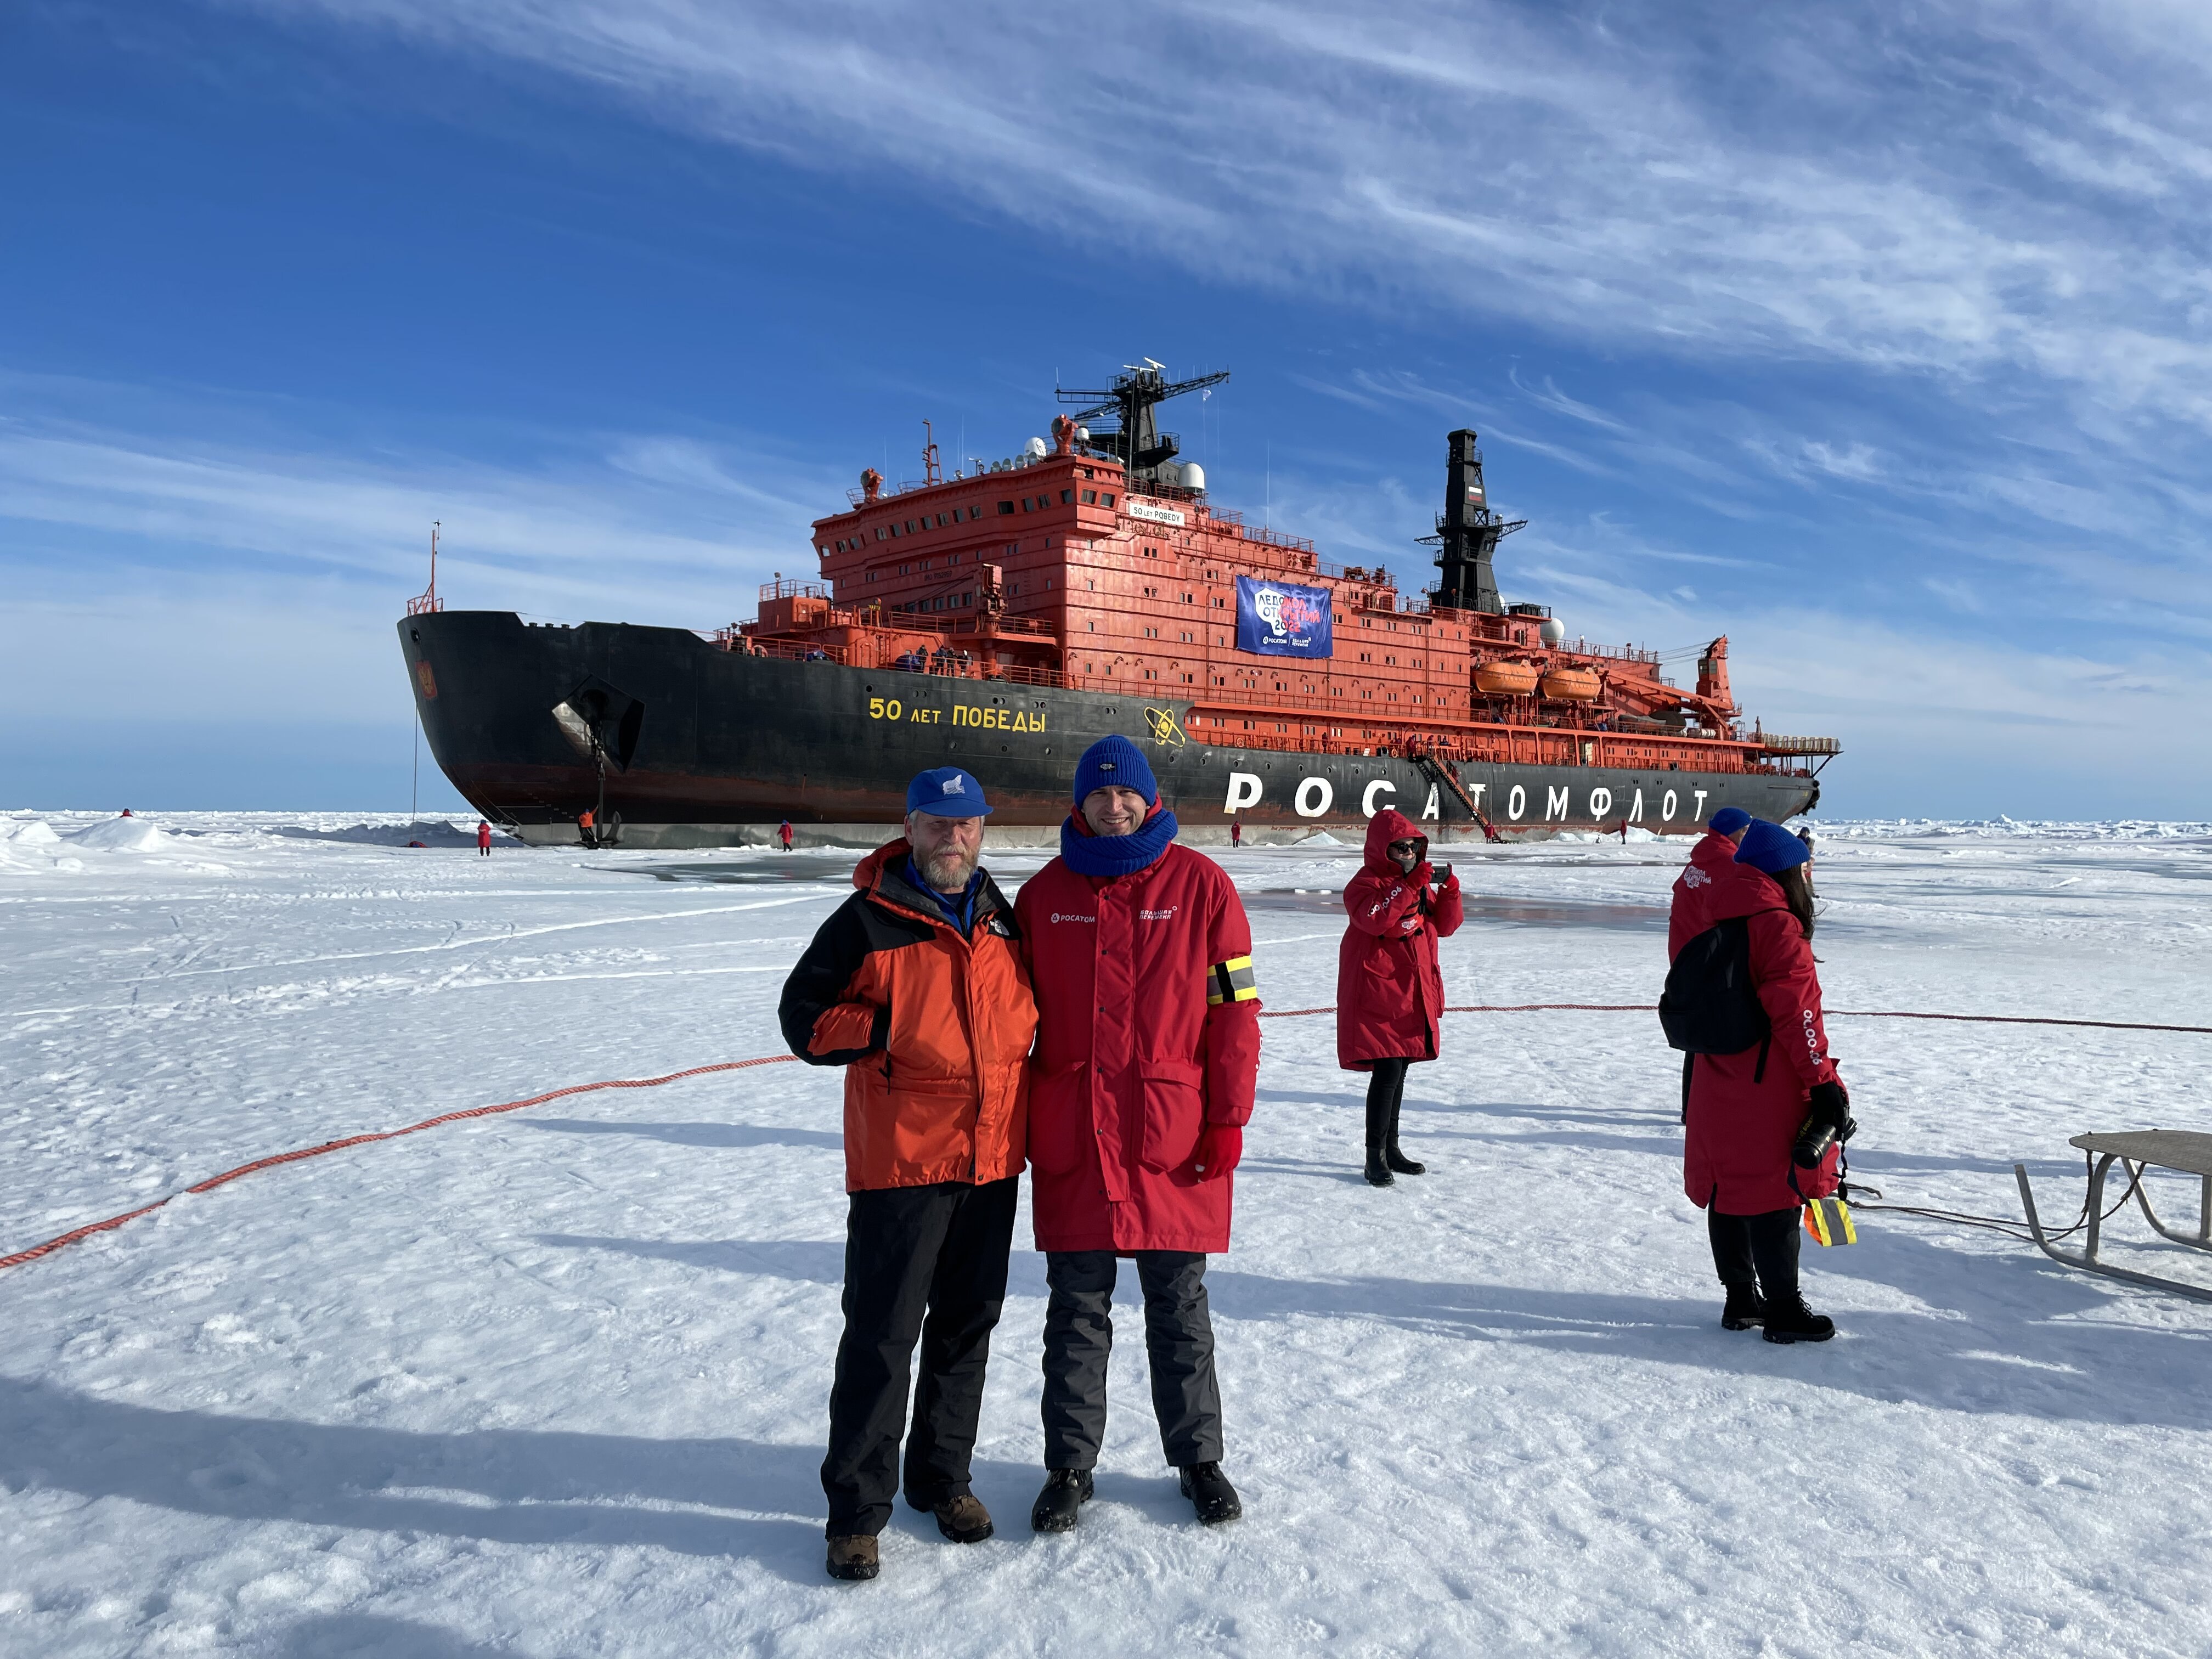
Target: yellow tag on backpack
[(1829, 1221)]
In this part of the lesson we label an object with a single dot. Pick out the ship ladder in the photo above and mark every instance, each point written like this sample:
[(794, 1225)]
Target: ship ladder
[(1447, 778)]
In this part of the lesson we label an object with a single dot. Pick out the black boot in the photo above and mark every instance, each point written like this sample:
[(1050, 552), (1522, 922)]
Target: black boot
[(1745, 1309), (1397, 1159), (1211, 1494), (1057, 1507), (1789, 1319), (1378, 1126)]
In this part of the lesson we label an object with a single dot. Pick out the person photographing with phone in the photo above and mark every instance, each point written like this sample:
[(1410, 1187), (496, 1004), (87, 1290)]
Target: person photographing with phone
[(1389, 990)]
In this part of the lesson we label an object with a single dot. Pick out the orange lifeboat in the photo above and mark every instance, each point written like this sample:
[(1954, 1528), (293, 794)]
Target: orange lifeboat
[(1506, 679), (1571, 684)]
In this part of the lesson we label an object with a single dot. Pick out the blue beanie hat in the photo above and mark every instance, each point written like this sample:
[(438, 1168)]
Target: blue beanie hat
[(1118, 761), (1728, 820), (1770, 848)]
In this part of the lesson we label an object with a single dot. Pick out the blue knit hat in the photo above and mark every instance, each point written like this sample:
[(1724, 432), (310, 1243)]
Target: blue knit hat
[(1728, 820), (1770, 848), (1118, 761)]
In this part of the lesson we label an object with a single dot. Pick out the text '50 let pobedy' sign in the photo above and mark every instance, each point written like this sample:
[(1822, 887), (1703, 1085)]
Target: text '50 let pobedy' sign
[(1282, 619)]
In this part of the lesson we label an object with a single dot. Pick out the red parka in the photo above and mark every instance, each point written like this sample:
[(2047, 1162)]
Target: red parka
[(1389, 990), (1147, 1030), (1745, 1109), (1703, 885)]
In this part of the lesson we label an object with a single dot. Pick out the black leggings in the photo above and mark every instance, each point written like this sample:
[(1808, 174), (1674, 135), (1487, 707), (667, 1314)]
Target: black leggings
[(1386, 1087), (1761, 1247)]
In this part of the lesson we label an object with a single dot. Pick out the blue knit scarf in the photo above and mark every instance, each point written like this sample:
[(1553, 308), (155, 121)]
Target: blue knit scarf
[(1108, 856)]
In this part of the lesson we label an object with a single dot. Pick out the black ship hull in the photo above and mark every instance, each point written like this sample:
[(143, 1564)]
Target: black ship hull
[(685, 745)]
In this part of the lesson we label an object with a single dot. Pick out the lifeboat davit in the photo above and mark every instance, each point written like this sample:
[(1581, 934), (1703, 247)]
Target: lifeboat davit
[(1506, 679), (1571, 684)]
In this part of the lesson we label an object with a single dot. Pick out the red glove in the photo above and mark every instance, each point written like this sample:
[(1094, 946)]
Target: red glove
[(1220, 1149)]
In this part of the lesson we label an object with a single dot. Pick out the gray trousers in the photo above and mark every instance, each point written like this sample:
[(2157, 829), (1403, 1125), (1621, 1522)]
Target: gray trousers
[(1078, 1336)]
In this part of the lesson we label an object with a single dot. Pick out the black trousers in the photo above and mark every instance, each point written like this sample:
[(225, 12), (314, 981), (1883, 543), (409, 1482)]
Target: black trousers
[(1757, 1247), (1078, 1336), (926, 1262)]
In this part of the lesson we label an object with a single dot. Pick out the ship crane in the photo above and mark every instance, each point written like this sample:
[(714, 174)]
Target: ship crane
[(1136, 441)]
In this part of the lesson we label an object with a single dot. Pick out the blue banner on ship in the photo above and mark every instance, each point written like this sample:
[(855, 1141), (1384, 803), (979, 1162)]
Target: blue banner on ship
[(1282, 619)]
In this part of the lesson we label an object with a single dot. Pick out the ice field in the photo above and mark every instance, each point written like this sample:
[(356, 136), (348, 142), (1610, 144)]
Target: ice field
[(554, 1382)]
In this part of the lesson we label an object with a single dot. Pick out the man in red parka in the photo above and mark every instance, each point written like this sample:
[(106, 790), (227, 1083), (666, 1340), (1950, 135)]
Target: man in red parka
[(1744, 1111), (1712, 868), (1148, 1047), (1389, 992)]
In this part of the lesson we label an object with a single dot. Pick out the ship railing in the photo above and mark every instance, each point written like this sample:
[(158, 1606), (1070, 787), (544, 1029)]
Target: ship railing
[(786, 589), (1775, 744)]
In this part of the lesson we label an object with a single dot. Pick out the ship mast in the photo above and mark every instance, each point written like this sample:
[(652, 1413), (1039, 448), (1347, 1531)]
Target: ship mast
[(1136, 441), (1467, 533)]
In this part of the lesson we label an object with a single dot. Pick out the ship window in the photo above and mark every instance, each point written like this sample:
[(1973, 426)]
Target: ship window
[(1089, 472), (880, 533), (1005, 506), (1090, 496), (925, 564), (872, 575), (1091, 627), (1092, 586), (1025, 503), (1106, 498)]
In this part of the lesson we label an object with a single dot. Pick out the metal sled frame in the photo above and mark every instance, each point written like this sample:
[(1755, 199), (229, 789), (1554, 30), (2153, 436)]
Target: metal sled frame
[(2167, 1149)]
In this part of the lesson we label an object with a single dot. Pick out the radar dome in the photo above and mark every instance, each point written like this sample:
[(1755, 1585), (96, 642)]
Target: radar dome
[(1553, 631), (1035, 449), (1194, 476)]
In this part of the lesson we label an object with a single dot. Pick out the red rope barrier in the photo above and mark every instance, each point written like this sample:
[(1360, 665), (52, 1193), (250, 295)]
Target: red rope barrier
[(228, 1175)]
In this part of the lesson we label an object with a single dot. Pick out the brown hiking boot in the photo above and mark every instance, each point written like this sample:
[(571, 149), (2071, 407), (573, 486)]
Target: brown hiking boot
[(963, 1519), (853, 1556)]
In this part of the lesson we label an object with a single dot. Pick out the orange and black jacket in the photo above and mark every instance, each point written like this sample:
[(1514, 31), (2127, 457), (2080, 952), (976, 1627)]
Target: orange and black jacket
[(932, 1028)]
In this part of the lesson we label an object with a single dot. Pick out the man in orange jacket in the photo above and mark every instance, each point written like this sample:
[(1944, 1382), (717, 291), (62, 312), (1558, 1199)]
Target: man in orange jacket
[(916, 986)]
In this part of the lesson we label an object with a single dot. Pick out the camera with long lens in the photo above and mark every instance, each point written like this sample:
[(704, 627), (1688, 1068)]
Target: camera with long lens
[(1829, 1122)]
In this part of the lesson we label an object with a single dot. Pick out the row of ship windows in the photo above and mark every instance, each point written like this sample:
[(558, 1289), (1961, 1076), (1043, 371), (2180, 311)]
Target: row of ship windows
[(939, 520)]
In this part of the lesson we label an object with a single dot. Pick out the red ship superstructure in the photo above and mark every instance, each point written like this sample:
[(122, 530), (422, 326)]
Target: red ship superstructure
[(1097, 563)]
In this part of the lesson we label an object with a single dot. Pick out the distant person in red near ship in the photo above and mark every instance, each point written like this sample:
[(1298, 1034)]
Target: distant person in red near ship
[(484, 838), (584, 829), (1389, 989), (1236, 832), (783, 834), (1148, 1050), (1751, 1158)]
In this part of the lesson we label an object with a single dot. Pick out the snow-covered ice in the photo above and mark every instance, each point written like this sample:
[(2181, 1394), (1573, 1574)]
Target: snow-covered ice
[(554, 1382)]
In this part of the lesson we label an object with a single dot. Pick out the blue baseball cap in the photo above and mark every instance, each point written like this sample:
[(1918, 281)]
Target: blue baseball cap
[(1728, 820), (948, 793)]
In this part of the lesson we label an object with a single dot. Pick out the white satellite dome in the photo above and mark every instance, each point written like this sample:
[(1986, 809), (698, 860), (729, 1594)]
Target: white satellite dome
[(1035, 449), (1194, 476), (1553, 631)]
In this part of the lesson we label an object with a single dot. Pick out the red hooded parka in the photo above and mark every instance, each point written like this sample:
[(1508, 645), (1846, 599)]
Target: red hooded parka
[(1742, 1120), (1139, 1045), (1389, 990), (1704, 881)]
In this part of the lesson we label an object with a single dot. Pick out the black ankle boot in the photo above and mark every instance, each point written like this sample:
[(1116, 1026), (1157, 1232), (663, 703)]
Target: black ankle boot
[(1397, 1161), (1058, 1506), (1789, 1319), (1745, 1309), (1378, 1168)]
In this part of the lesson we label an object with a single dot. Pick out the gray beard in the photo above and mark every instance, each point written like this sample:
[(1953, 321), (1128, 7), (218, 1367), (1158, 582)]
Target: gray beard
[(948, 871)]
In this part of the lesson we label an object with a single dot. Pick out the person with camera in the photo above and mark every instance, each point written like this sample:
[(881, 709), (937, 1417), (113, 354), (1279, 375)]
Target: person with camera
[(1765, 1113), (1389, 990)]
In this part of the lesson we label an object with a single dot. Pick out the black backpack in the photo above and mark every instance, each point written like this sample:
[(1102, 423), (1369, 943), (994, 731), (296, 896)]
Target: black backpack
[(1710, 1005)]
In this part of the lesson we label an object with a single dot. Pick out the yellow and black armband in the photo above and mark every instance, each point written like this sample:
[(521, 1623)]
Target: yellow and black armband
[(1231, 981)]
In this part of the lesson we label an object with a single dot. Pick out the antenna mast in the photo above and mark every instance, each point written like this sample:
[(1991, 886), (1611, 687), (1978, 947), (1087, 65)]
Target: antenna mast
[(427, 600)]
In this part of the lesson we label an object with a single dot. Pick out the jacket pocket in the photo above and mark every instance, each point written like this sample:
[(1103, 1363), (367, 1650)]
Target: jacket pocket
[(1060, 1117), (933, 1120), (1175, 1111)]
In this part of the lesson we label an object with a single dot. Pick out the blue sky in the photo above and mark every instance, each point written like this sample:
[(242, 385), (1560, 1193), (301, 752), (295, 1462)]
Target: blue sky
[(1876, 339)]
